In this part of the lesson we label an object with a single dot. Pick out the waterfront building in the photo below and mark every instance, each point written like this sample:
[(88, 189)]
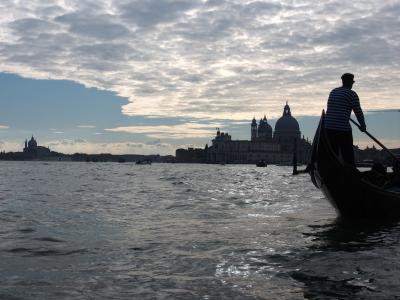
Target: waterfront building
[(31, 148), (191, 155), (273, 147)]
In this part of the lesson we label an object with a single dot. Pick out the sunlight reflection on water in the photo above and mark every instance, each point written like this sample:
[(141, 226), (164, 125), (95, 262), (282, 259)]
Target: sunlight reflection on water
[(104, 230)]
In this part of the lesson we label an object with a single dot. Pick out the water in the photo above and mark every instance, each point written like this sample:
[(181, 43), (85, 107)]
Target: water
[(171, 231)]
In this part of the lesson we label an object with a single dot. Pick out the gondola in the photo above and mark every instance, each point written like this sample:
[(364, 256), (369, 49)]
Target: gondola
[(349, 192)]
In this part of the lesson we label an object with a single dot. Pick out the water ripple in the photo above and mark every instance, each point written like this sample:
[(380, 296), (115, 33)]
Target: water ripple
[(121, 231)]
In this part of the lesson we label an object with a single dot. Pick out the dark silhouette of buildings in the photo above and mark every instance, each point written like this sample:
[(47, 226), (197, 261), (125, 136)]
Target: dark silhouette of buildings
[(273, 147), (32, 149), (191, 155)]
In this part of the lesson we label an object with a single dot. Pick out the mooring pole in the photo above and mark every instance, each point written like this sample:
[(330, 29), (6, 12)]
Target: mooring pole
[(295, 157)]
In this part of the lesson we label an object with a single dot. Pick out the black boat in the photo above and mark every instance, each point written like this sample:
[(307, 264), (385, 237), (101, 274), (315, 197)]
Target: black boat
[(261, 163), (347, 189), (144, 162)]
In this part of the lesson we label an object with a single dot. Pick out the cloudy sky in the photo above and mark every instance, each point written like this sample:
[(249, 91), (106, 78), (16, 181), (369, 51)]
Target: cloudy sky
[(149, 76)]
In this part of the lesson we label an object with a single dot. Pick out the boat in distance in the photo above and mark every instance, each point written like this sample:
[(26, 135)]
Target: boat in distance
[(144, 162), (261, 163), (348, 190)]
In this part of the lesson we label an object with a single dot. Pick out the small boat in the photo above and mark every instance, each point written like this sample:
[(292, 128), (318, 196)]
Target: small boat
[(261, 163), (144, 162), (348, 190)]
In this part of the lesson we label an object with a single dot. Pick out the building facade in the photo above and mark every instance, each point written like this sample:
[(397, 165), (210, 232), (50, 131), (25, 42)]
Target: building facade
[(273, 147)]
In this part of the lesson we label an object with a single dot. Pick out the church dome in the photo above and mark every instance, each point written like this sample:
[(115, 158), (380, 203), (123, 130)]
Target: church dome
[(287, 122), (32, 143)]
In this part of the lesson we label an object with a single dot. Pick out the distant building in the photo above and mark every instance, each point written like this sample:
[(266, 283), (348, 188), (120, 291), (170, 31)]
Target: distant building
[(191, 155), (31, 148), (274, 147)]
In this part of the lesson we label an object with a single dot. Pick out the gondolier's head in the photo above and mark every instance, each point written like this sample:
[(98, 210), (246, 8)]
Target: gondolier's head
[(348, 79)]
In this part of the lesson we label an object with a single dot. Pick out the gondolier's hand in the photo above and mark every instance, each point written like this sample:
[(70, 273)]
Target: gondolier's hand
[(363, 128)]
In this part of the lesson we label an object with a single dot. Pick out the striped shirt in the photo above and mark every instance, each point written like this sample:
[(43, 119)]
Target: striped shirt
[(341, 102)]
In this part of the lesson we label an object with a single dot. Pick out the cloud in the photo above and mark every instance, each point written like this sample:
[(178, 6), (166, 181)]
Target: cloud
[(389, 143), (155, 142), (181, 131), (10, 146), (56, 131), (153, 12), (214, 59), (80, 140), (84, 146), (4, 126), (101, 26), (86, 126), (33, 26)]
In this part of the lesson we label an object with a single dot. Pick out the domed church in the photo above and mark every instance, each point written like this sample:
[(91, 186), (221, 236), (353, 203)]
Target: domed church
[(276, 147), (33, 149), (287, 130)]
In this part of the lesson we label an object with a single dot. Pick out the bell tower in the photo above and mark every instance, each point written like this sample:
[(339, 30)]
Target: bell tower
[(254, 129)]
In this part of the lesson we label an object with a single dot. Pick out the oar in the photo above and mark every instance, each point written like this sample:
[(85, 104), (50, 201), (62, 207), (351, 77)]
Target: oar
[(378, 142)]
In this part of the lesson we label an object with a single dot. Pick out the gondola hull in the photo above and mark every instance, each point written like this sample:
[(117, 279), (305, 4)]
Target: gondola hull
[(350, 194)]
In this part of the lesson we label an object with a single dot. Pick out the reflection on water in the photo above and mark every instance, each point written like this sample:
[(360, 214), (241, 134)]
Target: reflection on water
[(123, 231), (353, 237), (350, 261)]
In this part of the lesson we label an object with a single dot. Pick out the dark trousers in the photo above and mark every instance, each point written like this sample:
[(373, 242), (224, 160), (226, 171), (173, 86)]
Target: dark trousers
[(342, 144)]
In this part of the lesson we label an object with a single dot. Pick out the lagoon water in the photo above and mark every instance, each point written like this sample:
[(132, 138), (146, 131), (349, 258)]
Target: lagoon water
[(175, 231)]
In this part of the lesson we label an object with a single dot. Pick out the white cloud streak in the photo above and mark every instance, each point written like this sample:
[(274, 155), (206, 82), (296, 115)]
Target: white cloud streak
[(83, 146), (4, 126), (181, 131), (209, 59), (10, 146), (389, 143), (86, 126)]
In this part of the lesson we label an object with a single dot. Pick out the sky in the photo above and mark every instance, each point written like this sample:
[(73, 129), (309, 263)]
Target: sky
[(150, 76)]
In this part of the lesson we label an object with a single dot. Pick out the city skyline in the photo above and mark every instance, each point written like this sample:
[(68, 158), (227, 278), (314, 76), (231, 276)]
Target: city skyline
[(152, 76)]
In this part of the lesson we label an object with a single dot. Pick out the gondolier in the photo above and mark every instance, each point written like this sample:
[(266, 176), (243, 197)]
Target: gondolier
[(341, 102), (348, 190)]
